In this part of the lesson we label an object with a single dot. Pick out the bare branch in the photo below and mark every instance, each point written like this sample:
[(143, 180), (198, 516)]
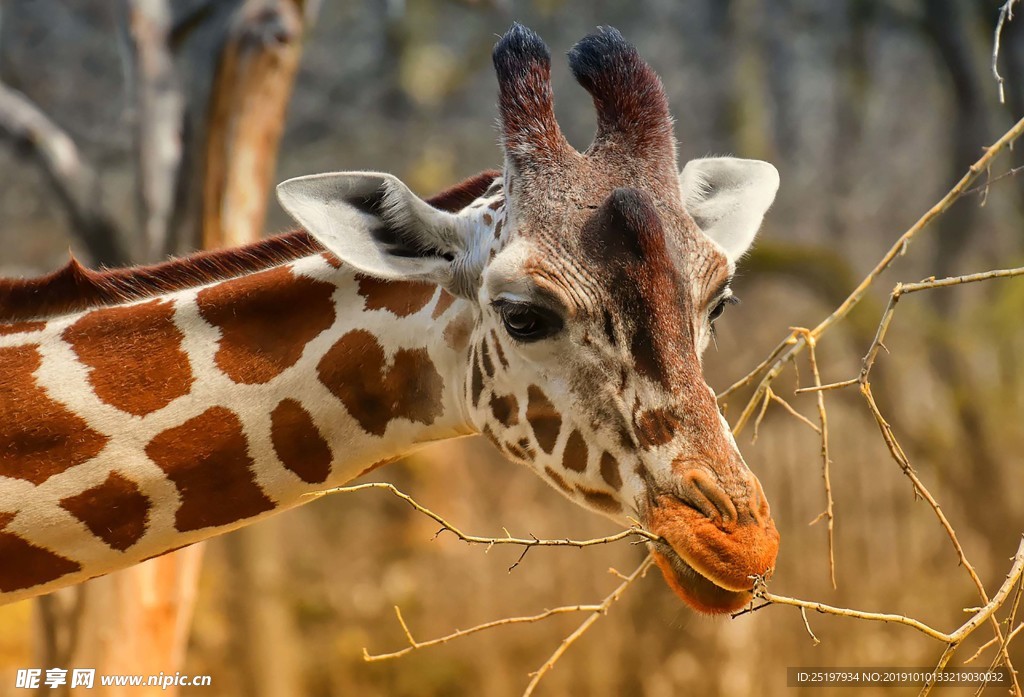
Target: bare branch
[(634, 532), (459, 633), (980, 616), (1005, 15), (73, 180), (600, 611), (826, 461), (793, 345)]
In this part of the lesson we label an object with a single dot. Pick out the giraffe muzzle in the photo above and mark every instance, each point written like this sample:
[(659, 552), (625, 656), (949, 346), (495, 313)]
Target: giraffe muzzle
[(714, 544)]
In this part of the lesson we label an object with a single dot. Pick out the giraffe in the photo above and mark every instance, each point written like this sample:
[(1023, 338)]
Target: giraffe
[(559, 307)]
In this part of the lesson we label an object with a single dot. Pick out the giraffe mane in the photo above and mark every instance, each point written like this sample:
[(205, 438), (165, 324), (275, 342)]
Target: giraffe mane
[(74, 288)]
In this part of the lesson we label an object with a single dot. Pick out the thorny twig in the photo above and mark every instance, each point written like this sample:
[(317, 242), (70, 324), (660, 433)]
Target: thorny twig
[(635, 531), (579, 631), (954, 638), (459, 633), (791, 345), (826, 461)]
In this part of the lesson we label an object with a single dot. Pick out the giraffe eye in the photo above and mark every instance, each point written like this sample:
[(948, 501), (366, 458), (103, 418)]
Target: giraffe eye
[(527, 323), (719, 307)]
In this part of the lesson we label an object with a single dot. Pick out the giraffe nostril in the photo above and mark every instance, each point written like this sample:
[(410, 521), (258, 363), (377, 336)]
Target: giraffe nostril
[(700, 491)]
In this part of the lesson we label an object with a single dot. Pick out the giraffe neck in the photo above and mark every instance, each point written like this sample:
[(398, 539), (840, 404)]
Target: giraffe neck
[(131, 430)]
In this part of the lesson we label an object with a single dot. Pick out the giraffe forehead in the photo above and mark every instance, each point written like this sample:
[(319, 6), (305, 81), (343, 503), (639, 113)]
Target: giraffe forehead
[(573, 246)]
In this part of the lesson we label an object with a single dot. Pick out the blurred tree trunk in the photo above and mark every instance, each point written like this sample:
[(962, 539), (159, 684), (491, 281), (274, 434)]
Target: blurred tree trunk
[(253, 83), (263, 637), (133, 622)]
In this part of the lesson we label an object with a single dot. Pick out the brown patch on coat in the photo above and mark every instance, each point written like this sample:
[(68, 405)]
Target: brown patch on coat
[(489, 435), (207, 458), (354, 370), (134, 355), (544, 419), (610, 471), (266, 319), (488, 219), (299, 443), (444, 301), (477, 381), (656, 427), (332, 260), (26, 565), (602, 500), (400, 298), (497, 350), (457, 333), (558, 480), (75, 288), (39, 437), (21, 327), (495, 204), (115, 511), (527, 448), (485, 358), (505, 409), (575, 455)]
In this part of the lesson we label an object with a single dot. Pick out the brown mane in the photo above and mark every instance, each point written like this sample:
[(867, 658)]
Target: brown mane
[(74, 288)]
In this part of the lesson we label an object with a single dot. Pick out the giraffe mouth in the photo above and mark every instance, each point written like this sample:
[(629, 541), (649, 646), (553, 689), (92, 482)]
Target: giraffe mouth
[(696, 590)]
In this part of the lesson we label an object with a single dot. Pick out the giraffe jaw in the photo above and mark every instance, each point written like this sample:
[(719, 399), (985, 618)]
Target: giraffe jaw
[(696, 590)]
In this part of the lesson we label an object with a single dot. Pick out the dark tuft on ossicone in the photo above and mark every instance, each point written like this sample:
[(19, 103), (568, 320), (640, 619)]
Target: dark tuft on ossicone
[(519, 48), (595, 54)]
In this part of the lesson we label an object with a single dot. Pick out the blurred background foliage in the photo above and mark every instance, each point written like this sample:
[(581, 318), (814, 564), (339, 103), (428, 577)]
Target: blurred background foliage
[(870, 109)]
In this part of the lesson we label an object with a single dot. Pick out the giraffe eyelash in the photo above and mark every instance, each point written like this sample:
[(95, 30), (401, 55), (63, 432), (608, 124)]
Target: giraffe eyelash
[(718, 308)]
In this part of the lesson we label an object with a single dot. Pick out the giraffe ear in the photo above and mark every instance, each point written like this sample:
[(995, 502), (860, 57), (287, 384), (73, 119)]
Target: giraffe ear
[(373, 222), (728, 197)]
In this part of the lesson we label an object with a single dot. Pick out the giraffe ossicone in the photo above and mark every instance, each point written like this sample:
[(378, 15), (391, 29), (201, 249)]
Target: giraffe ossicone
[(558, 307)]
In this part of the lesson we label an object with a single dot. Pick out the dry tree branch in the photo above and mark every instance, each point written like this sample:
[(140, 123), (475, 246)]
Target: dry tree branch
[(76, 183), (792, 345), (459, 633), (920, 490), (902, 289), (953, 638), (596, 612), (579, 631), (1005, 15), (826, 460), (831, 386), (528, 543)]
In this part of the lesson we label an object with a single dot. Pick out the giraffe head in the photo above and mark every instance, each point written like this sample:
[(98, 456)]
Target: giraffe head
[(591, 281)]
